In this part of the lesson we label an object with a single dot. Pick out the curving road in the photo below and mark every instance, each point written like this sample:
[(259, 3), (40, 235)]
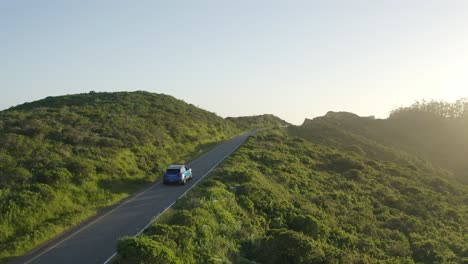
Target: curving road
[(95, 241)]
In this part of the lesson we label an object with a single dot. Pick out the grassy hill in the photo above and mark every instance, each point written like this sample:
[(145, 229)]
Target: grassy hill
[(435, 132), (64, 158), (247, 123), (337, 189), (282, 199)]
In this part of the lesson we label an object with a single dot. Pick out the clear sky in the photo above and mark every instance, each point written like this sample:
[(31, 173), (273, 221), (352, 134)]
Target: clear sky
[(294, 59)]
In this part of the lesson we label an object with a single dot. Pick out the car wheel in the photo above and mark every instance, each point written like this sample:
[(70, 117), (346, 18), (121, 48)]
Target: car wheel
[(184, 181)]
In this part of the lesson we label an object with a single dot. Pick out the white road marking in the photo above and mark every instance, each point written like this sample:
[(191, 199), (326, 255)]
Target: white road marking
[(182, 195)]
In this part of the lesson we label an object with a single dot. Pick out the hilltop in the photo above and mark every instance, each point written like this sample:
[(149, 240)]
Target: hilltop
[(256, 122), (424, 132)]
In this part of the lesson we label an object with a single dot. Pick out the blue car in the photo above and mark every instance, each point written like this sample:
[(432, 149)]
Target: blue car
[(177, 174)]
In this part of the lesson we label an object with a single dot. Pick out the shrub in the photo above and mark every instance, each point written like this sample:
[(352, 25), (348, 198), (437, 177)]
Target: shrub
[(353, 174), (55, 176), (346, 163), (286, 246), (310, 226), (145, 250)]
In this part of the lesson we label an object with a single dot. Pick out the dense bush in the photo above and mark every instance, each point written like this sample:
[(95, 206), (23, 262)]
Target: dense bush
[(145, 250)]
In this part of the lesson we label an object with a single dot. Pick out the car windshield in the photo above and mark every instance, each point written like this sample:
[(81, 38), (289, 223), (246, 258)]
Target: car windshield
[(172, 171)]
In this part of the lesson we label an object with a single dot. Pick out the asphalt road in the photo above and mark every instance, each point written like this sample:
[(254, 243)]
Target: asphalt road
[(95, 242)]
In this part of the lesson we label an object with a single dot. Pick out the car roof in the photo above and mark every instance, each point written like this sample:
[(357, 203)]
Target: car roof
[(175, 166)]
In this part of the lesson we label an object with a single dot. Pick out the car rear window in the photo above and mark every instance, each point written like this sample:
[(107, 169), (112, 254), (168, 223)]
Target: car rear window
[(172, 171)]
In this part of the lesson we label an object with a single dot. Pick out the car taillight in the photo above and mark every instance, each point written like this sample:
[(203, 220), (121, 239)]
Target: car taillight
[(180, 174)]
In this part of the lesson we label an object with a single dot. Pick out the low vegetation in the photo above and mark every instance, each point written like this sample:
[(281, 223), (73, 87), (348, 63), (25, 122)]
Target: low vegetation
[(324, 192), (248, 123), (432, 132), (338, 189), (64, 158)]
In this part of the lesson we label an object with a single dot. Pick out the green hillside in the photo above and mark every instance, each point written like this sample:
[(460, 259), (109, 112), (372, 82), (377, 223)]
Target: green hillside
[(64, 158), (282, 199), (434, 131), (247, 123)]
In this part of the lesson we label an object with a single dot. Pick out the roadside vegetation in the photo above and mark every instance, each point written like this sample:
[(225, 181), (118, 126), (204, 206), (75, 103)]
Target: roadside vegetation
[(62, 159), (329, 191), (248, 123)]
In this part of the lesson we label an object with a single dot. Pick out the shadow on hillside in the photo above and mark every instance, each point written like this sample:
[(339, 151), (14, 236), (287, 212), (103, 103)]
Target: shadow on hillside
[(7, 259)]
